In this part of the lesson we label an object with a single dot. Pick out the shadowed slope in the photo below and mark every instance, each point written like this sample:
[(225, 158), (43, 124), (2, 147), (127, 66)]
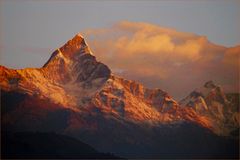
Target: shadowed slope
[(47, 145)]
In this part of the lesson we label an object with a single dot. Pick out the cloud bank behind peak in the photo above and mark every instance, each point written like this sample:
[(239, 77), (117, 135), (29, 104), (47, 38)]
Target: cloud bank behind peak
[(165, 58)]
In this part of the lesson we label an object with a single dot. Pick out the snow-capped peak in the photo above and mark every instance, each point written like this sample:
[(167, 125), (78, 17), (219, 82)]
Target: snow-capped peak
[(209, 89), (70, 52), (80, 35), (75, 47)]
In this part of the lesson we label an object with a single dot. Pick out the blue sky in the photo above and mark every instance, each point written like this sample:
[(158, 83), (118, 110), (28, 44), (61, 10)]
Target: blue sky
[(34, 29)]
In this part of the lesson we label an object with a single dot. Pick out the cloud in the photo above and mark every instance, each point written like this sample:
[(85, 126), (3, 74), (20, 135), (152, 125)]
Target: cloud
[(165, 58), (232, 56), (142, 43)]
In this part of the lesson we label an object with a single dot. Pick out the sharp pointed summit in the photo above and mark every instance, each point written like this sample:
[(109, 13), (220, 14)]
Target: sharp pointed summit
[(75, 47), (71, 69), (71, 50), (74, 62)]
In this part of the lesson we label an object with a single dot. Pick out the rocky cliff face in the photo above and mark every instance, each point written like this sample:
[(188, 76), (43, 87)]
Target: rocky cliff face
[(73, 78), (211, 102), (70, 74), (74, 94)]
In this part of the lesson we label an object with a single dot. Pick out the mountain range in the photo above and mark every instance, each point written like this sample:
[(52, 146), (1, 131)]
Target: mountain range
[(76, 95)]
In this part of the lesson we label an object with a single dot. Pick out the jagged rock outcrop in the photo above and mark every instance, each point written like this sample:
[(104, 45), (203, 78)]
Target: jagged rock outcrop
[(211, 102)]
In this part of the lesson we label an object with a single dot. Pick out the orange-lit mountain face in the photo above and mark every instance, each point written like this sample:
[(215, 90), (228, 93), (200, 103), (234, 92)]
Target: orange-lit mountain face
[(211, 102), (74, 79), (73, 93), (64, 79)]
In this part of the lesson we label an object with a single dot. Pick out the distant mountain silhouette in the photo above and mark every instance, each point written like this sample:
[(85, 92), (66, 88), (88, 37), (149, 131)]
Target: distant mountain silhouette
[(183, 141), (34, 145)]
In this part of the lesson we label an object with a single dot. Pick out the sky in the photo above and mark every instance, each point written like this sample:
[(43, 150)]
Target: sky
[(31, 30)]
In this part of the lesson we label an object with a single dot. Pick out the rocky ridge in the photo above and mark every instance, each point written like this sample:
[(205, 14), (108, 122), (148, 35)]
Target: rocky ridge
[(73, 79)]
